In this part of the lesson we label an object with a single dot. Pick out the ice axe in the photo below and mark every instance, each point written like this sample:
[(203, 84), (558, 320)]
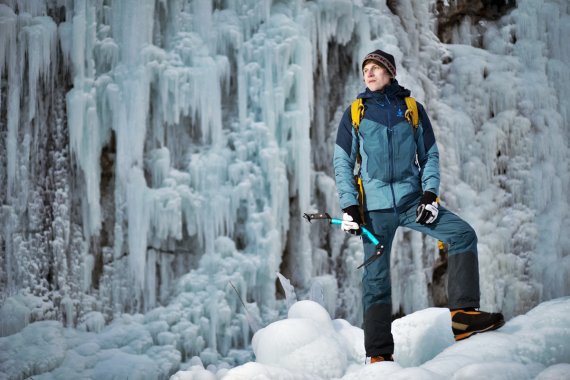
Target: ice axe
[(378, 250)]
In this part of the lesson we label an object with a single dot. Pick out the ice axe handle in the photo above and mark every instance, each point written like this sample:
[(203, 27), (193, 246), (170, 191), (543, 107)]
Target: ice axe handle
[(379, 247), (378, 250), (326, 216), (365, 232), (318, 215)]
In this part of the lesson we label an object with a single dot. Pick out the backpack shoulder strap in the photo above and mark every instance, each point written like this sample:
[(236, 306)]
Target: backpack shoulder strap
[(356, 113), (412, 114)]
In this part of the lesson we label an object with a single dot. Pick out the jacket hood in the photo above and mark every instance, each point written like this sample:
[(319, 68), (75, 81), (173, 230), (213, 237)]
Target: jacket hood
[(393, 90)]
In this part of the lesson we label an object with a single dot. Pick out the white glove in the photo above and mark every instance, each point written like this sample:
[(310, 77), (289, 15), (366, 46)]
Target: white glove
[(428, 213), (348, 225)]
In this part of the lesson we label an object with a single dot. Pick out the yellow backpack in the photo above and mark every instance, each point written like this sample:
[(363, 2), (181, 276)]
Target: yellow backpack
[(357, 113)]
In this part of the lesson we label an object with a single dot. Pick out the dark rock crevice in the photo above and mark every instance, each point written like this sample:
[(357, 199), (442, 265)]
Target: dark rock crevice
[(451, 16)]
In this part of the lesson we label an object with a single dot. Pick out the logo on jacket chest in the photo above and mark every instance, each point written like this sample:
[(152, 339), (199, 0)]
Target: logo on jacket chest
[(400, 113)]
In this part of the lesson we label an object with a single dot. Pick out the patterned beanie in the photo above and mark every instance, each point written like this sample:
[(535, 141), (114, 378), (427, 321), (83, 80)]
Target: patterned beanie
[(384, 59)]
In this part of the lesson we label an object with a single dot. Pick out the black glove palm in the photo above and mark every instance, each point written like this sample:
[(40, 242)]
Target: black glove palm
[(427, 211)]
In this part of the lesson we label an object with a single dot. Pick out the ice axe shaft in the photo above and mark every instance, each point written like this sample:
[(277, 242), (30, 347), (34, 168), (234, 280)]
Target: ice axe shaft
[(379, 249)]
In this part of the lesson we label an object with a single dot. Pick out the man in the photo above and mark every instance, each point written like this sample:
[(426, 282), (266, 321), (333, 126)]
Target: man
[(399, 169)]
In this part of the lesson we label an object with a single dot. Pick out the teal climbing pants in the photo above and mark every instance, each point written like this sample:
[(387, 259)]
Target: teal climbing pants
[(463, 269)]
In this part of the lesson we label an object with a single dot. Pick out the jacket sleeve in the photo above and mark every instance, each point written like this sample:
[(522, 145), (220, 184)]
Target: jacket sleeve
[(344, 160), (428, 154)]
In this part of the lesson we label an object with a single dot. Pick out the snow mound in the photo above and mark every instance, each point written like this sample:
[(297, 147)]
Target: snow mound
[(305, 341), (422, 335)]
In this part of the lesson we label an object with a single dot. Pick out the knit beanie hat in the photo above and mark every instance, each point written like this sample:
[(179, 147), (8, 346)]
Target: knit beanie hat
[(384, 59)]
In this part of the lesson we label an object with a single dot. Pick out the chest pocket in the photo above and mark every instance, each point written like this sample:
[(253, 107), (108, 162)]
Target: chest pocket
[(405, 148), (387, 157)]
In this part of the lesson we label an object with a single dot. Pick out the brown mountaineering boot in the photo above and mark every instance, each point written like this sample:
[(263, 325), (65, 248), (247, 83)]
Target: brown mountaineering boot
[(381, 358), (466, 322)]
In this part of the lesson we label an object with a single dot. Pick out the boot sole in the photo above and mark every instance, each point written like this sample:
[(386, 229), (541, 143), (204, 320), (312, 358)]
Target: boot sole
[(466, 335)]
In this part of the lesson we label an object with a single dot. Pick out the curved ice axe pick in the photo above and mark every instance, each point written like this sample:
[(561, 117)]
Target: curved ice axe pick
[(379, 249)]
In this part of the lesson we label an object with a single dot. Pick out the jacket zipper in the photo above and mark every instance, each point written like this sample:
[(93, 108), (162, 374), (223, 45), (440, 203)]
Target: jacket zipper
[(391, 154)]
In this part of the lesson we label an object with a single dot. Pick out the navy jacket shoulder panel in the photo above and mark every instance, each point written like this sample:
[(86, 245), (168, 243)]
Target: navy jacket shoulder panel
[(344, 133)]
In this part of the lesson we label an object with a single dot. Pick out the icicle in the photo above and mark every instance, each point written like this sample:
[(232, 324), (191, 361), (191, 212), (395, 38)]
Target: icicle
[(8, 22), (40, 41), (165, 214), (242, 89), (34, 8), (68, 310), (334, 20), (290, 295), (202, 12), (138, 217), (150, 280), (9, 51), (87, 266), (65, 30), (159, 165)]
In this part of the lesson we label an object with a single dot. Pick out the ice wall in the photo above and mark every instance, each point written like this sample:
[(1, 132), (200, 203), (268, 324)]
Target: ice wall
[(182, 123), (511, 150)]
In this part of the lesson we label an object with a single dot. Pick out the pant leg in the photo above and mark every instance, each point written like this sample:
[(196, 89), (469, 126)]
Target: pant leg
[(376, 286), (463, 264)]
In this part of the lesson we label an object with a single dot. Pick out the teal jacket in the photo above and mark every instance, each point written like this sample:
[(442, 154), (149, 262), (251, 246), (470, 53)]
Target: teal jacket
[(399, 162)]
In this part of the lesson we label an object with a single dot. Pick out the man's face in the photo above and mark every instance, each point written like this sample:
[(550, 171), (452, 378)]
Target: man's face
[(375, 76)]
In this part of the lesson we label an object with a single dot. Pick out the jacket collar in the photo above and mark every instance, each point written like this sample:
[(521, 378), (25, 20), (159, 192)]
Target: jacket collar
[(393, 90)]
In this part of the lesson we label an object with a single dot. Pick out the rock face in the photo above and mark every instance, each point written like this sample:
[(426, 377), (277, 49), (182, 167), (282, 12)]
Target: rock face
[(450, 14)]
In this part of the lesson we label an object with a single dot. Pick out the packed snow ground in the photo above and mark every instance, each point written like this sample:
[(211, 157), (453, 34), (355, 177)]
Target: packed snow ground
[(306, 345)]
